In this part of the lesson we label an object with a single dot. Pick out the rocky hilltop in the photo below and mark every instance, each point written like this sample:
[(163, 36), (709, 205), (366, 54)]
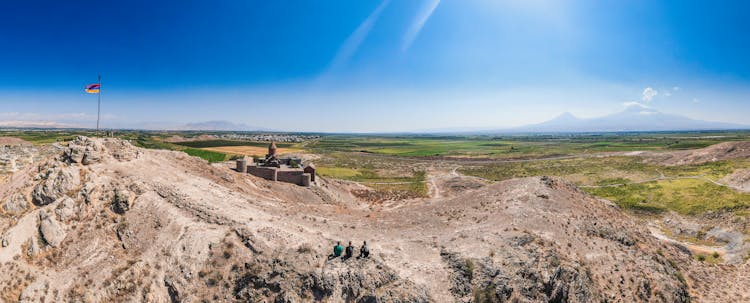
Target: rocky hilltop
[(102, 220)]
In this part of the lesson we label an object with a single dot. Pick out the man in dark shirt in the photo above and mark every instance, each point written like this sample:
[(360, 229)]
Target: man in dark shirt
[(349, 251), (364, 251)]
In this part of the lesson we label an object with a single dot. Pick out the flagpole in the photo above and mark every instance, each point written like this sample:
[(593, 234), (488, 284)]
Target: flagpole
[(99, 104)]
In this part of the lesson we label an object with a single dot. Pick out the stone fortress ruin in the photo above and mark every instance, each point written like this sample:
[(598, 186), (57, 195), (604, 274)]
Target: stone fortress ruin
[(274, 168)]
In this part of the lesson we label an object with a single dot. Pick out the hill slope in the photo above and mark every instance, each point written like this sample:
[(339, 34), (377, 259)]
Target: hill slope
[(106, 221)]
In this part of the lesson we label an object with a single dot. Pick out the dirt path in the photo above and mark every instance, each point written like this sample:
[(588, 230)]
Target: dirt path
[(691, 246)]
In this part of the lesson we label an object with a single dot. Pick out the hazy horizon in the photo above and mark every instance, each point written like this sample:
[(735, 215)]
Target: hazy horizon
[(369, 66)]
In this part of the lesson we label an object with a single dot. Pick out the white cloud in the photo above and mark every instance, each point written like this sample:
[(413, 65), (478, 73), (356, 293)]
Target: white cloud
[(648, 113), (649, 94), (352, 43), (418, 23), (676, 88), (667, 94), (696, 100)]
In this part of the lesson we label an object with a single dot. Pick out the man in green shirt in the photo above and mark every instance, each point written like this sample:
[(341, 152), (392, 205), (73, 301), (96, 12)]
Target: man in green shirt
[(338, 249)]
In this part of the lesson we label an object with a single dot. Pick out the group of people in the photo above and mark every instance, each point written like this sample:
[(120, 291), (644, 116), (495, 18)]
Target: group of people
[(348, 252)]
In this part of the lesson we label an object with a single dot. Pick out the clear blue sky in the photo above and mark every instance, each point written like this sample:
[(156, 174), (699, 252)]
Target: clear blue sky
[(370, 65)]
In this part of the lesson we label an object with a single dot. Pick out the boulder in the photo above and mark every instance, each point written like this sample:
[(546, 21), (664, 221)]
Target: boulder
[(83, 150), (16, 204), (52, 231), (55, 184), (32, 247), (66, 208), (122, 201), (121, 150)]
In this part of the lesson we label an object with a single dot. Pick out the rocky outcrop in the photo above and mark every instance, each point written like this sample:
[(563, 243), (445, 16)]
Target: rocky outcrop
[(53, 232), (537, 272), (56, 182), (122, 200), (32, 247), (16, 204), (83, 150), (66, 208)]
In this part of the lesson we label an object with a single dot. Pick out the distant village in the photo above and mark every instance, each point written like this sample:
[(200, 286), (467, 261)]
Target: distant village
[(269, 137)]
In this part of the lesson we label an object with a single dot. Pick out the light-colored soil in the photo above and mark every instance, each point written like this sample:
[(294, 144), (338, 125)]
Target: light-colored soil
[(717, 152), (739, 179), (13, 141)]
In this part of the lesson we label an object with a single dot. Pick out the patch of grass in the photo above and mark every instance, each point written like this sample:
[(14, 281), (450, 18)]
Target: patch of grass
[(685, 196), (613, 181), (713, 258), (209, 156), (338, 172)]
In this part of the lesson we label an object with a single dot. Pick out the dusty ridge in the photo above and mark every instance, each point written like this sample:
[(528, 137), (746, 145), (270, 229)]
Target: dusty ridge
[(716, 152), (739, 179), (106, 221), (13, 141)]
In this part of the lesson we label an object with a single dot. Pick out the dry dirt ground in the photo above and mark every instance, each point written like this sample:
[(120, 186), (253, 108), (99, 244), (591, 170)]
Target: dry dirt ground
[(105, 221), (739, 179), (717, 152), (6, 141)]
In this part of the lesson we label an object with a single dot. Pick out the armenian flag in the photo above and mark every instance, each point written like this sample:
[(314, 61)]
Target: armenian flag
[(93, 88)]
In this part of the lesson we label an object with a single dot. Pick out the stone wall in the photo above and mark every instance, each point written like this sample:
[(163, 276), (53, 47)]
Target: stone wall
[(290, 176), (268, 173), (298, 177)]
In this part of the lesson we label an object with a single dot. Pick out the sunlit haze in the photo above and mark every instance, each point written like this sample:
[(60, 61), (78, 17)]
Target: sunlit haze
[(370, 65)]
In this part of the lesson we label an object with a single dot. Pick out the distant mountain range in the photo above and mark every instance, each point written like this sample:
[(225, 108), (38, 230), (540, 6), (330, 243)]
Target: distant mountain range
[(634, 118)]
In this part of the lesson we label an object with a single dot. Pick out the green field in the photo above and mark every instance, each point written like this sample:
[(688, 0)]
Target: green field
[(518, 147), (685, 189), (685, 196), (209, 156)]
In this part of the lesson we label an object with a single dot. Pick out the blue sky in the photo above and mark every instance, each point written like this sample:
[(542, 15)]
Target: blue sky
[(369, 65)]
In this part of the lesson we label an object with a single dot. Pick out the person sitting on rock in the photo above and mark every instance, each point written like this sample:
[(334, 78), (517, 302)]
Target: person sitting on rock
[(337, 249), (364, 251), (349, 251)]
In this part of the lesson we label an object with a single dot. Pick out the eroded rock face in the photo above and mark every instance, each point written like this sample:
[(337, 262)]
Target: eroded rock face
[(83, 150), (52, 231), (66, 208), (122, 201), (122, 150), (32, 247), (16, 204), (56, 182), (547, 276)]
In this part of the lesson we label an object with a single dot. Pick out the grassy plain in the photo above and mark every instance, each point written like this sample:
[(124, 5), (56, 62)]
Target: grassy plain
[(629, 181), (518, 146)]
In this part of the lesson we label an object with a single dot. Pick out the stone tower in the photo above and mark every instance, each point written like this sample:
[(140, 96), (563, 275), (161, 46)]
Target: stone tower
[(271, 150)]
